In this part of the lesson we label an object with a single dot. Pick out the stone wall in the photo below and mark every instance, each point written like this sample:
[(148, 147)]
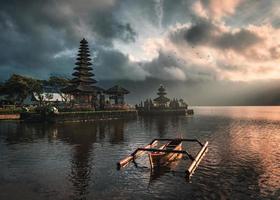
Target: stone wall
[(81, 116)]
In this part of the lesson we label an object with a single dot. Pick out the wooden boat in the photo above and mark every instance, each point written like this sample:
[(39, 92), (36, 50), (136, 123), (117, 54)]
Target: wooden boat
[(159, 158), (167, 153)]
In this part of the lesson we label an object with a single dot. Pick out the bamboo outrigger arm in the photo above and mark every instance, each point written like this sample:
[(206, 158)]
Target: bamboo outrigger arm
[(166, 151), (149, 148), (190, 170), (137, 153), (180, 139)]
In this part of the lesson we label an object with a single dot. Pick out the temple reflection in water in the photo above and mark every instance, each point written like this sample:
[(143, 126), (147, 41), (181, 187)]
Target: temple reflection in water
[(83, 151)]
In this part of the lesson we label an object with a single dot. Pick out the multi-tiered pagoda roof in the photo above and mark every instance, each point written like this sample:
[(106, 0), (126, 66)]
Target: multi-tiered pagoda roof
[(83, 81), (161, 93)]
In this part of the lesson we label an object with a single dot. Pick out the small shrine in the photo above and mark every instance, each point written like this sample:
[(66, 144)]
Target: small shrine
[(161, 101), (162, 105), (116, 94)]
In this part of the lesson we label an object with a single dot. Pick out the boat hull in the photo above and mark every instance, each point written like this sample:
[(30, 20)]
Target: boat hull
[(158, 159)]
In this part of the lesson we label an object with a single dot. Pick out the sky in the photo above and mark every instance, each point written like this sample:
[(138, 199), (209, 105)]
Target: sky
[(209, 52)]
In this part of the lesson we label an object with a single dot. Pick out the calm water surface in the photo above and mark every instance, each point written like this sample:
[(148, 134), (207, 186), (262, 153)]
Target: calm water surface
[(78, 160)]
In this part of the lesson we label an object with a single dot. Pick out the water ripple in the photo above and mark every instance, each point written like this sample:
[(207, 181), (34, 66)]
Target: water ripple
[(78, 160)]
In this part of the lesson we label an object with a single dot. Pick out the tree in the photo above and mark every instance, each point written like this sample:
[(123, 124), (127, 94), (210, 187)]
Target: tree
[(2, 91), (18, 87), (36, 89), (58, 83)]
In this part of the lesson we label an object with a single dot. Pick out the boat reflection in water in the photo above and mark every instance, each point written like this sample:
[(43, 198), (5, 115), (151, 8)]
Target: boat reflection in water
[(172, 167)]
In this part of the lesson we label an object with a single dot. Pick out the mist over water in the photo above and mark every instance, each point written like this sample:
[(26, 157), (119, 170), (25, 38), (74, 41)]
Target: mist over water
[(205, 93), (78, 160)]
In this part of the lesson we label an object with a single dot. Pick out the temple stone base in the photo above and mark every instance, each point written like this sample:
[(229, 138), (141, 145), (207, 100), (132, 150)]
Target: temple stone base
[(82, 116), (166, 112)]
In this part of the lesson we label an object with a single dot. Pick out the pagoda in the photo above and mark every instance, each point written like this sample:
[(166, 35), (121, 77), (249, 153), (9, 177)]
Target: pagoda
[(163, 105), (81, 88), (161, 101)]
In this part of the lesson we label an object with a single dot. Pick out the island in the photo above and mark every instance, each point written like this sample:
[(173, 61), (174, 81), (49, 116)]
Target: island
[(162, 105), (78, 99)]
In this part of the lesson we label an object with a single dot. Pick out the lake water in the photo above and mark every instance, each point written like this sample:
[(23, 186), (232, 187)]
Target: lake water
[(78, 160)]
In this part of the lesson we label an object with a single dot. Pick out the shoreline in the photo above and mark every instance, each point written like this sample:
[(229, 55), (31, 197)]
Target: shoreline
[(9, 116)]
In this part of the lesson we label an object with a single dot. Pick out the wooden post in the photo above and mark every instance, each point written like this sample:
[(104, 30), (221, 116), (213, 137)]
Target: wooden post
[(183, 140), (197, 159), (137, 153)]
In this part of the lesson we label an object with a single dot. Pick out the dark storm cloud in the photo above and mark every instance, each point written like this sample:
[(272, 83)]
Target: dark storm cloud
[(106, 25), (39, 37), (164, 66), (200, 33), (177, 11), (206, 33), (158, 12), (237, 41), (32, 32), (167, 66), (143, 10), (112, 64)]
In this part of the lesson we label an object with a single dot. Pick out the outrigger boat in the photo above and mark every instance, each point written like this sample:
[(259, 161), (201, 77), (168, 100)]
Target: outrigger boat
[(167, 153), (159, 158)]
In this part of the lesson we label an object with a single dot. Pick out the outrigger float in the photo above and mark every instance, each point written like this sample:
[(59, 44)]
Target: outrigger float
[(167, 153)]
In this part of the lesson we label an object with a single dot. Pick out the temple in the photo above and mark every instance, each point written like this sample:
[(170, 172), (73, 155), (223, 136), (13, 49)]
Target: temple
[(82, 90), (161, 101), (163, 105), (82, 98), (116, 94)]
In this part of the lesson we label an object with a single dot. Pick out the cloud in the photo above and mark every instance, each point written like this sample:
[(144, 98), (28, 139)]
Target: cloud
[(230, 52), (200, 33), (215, 9), (175, 73), (165, 66), (36, 33), (207, 33), (170, 65), (238, 41), (255, 13), (169, 40), (111, 64)]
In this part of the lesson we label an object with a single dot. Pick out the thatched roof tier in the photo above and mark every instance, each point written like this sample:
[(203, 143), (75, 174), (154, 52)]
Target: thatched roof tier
[(88, 74), (73, 89), (83, 41), (83, 80), (83, 59), (83, 68), (161, 99), (83, 62), (117, 90), (161, 91), (85, 55)]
